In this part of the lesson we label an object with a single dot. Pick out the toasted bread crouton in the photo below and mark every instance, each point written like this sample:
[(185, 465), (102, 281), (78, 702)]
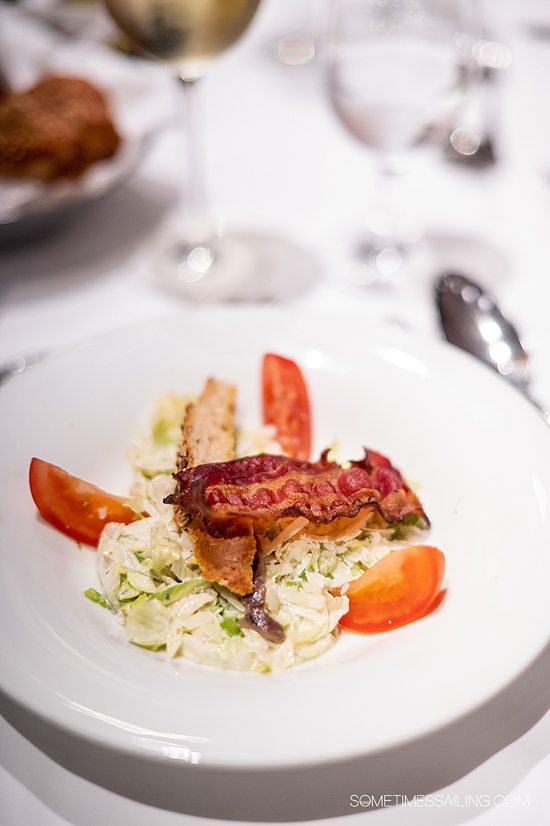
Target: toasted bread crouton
[(208, 430)]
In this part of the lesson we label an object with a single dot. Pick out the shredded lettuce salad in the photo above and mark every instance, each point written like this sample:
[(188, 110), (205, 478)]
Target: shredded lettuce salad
[(152, 582)]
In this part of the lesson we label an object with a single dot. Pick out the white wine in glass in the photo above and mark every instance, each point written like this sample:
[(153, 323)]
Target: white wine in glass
[(203, 263), (185, 33)]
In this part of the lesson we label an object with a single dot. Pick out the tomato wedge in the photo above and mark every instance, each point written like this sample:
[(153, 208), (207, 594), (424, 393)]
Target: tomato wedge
[(75, 507), (286, 404), (400, 588)]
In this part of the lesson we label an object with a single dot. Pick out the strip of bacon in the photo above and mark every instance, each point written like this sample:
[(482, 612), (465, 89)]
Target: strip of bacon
[(267, 487)]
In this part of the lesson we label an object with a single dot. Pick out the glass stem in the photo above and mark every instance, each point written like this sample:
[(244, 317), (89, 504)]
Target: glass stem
[(386, 215), (195, 211)]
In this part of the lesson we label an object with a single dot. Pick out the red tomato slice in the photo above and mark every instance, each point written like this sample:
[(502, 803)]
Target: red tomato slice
[(398, 589), (286, 404), (75, 507)]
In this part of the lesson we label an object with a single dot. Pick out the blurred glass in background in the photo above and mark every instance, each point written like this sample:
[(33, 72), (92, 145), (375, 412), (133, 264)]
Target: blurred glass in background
[(397, 71)]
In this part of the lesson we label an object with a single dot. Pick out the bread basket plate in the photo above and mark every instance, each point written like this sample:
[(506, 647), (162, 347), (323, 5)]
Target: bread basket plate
[(29, 207)]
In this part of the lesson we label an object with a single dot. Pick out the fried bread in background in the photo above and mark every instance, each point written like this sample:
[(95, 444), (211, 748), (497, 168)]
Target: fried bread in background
[(57, 129)]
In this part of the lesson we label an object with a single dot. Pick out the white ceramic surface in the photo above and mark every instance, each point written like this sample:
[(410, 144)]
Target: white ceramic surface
[(479, 451)]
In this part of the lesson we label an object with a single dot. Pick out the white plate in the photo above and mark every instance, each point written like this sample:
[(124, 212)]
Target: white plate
[(480, 453)]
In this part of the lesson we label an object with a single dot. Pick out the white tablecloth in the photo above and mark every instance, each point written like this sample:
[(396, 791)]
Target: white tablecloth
[(278, 161)]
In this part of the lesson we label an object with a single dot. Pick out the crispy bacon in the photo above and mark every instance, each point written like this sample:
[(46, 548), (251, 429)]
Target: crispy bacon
[(267, 487), (226, 552)]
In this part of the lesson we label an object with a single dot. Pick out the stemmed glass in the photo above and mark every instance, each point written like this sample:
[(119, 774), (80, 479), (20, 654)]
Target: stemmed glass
[(189, 35), (396, 72)]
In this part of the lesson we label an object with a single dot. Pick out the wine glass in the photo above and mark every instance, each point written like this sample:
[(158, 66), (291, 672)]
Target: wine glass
[(397, 71), (189, 34)]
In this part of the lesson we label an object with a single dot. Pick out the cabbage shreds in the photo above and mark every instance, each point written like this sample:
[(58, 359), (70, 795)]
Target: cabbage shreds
[(154, 452), (153, 584)]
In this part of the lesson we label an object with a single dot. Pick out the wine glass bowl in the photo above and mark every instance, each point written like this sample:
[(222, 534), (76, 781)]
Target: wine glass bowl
[(397, 106), (188, 34)]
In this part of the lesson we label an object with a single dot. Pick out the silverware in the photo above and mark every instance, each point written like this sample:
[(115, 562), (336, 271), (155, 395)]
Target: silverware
[(18, 364), (470, 319), (473, 140)]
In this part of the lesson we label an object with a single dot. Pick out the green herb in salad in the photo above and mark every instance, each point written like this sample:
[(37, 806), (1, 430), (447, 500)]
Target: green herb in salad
[(231, 626), (175, 592), (95, 596)]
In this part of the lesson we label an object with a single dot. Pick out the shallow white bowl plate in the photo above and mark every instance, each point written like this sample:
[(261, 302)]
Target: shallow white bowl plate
[(478, 451)]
